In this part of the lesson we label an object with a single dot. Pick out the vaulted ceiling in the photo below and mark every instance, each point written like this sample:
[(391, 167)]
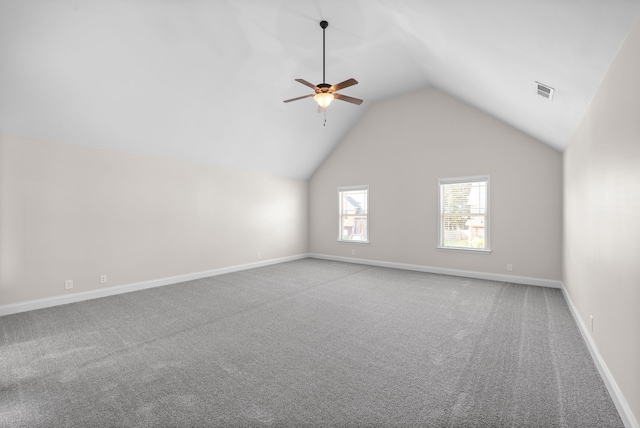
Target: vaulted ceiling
[(204, 80)]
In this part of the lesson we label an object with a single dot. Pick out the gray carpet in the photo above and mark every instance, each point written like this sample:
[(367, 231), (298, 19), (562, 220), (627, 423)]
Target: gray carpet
[(305, 343)]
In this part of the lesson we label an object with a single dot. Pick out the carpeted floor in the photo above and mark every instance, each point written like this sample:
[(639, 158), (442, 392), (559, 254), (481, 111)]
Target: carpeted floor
[(305, 343)]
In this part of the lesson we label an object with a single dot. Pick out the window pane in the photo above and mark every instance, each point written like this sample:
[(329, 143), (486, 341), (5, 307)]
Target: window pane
[(354, 202), (354, 228)]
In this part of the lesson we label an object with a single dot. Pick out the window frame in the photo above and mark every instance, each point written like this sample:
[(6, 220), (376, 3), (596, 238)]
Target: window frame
[(340, 213), (487, 223)]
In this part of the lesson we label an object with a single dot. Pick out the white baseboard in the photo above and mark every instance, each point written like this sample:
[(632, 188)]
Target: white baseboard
[(445, 271), (103, 292), (619, 401), (110, 291)]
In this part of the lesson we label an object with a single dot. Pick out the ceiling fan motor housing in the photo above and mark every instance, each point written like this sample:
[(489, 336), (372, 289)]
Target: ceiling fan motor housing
[(323, 88)]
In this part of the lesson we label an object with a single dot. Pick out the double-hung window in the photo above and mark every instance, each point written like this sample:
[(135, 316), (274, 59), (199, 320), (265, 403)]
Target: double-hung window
[(464, 213), (353, 214)]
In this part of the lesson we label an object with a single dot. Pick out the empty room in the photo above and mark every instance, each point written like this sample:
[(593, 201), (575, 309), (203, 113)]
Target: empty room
[(300, 213)]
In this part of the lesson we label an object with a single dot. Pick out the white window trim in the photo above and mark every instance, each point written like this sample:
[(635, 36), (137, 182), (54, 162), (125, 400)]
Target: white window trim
[(347, 189), (453, 180)]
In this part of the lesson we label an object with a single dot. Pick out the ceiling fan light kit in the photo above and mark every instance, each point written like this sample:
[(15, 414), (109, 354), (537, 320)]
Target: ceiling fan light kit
[(325, 92), (323, 99)]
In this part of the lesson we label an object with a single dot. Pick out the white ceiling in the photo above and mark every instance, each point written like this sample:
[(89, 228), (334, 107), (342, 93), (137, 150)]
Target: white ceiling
[(204, 80)]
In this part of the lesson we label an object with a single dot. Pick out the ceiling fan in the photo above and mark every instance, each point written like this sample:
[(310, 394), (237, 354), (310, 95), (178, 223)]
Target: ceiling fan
[(324, 92)]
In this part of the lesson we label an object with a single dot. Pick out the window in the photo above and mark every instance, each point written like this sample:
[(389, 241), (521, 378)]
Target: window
[(464, 213), (353, 212)]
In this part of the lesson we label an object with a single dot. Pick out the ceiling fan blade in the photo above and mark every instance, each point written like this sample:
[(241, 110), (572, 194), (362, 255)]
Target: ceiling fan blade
[(347, 99), (299, 98), (345, 84), (304, 82)]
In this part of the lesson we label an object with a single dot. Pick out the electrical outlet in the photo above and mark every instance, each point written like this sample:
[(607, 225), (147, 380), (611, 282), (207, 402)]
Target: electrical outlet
[(103, 279), (259, 256), (591, 317), (509, 267), (353, 252), (68, 284)]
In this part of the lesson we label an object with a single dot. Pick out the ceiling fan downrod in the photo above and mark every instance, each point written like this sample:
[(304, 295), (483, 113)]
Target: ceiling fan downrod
[(324, 25)]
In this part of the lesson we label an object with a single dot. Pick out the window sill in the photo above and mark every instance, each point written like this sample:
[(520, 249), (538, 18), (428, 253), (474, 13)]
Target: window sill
[(353, 242), (466, 250)]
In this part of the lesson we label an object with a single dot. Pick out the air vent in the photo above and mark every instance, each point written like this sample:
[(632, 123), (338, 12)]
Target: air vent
[(545, 91)]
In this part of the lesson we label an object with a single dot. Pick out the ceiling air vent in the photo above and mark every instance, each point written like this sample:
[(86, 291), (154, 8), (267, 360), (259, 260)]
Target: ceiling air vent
[(545, 91)]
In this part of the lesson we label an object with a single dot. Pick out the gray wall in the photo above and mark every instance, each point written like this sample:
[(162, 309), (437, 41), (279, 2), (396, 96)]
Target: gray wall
[(74, 212), (602, 219), (401, 146)]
